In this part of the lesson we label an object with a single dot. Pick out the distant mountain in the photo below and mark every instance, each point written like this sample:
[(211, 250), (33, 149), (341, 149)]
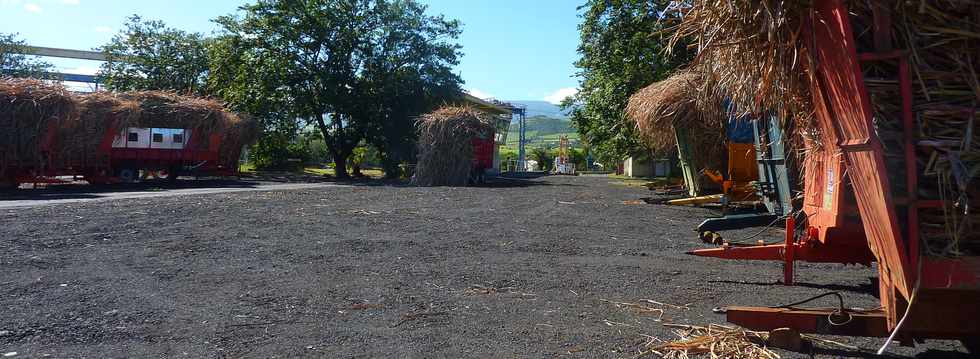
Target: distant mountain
[(542, 131), (542, 108)]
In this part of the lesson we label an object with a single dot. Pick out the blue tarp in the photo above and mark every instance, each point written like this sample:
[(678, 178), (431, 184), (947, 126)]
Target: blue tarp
[(739, 128)]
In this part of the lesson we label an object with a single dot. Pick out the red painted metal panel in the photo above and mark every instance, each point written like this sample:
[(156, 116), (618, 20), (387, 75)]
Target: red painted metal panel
[(843, 103), (483, 150)]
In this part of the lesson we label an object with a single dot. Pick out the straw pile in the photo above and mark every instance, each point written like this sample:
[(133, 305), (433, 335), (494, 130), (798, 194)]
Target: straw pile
[(161, 109), (27, 108), (98, 112), (752, 53), (243, 130), (674, 103), (755, 51), (445, 145), (714, 341)]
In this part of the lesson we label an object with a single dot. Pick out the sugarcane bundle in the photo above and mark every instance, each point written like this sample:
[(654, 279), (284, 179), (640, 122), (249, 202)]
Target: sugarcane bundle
[(942, 39), (446, 145), (99, 113), (751, 53), (243, 130), (662, 108), (163, 109), (29, 108)]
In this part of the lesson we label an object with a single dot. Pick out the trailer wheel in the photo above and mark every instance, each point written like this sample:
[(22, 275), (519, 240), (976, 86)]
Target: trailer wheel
[(170, 175), (127, 175), (972, 346), (9, 185)]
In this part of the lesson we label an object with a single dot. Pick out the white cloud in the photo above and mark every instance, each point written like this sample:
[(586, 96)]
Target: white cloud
[(70, 2), (103, 29), (479, 94), (558, 96), (32, 7)]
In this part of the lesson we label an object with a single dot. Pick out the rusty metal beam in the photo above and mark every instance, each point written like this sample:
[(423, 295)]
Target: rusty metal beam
[(813, 321), (815, 253), (693, 201)]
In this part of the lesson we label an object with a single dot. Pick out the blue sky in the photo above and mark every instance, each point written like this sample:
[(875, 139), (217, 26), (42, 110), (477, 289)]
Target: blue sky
[(515, 50)]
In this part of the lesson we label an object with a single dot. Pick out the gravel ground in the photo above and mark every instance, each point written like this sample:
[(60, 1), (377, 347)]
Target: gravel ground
[(516, 269)]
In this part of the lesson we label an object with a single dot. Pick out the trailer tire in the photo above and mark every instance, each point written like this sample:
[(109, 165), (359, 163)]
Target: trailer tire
[(128, 175), (972, 347), (171, 174), (9, 185)]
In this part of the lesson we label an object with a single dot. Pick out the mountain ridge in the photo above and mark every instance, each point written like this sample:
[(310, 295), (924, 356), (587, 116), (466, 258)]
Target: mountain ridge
[(541, 108)]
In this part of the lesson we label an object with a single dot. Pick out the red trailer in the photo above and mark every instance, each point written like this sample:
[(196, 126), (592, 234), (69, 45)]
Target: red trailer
[(922, 296), (125, 155), (827, 230)]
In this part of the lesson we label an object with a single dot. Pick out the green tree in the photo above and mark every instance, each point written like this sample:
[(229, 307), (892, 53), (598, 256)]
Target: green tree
[(544, 157), (412, 74), (148, 55), (621, 52), (343, 65), (13, 61)]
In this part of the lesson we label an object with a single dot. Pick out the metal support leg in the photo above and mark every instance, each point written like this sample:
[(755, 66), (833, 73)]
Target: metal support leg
[(790, 251)]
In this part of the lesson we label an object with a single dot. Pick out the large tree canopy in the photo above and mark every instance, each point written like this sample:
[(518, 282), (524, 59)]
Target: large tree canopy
[(345, 66), (147, 55), (621, 52), (13, 61)]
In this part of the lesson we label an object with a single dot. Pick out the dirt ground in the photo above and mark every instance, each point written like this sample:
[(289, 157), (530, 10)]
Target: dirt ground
[(522, 269)]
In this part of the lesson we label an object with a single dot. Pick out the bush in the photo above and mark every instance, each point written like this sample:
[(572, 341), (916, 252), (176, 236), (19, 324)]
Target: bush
[(279, 152)]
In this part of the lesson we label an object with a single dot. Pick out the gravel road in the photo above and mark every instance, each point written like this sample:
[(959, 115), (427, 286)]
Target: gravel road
[(516, 269)]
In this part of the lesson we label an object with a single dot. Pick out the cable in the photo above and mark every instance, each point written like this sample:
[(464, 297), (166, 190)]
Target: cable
[(840, 299), (763, 230), (841, 311), (908, 309)]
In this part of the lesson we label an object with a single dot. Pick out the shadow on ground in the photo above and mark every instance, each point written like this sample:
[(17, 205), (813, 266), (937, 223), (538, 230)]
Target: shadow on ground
[(867, 288)]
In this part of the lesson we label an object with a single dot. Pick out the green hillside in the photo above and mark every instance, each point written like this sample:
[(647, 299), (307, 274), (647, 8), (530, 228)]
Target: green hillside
[(543, 131)]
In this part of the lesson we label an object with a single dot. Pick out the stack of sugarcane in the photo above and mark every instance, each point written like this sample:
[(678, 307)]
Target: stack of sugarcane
[(943, 41), (663, 108), (160, 109), (102, 111), (751, 53), (755, 52), (98, 113), (446, 145), (28, 109)]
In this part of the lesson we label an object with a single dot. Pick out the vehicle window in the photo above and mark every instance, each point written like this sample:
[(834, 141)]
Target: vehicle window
[(157, 137), (178, 138), (134, 137)]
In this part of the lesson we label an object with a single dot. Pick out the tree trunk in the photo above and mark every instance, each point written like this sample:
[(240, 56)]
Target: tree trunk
[(391, 167), (340, 165), (339, 154)]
